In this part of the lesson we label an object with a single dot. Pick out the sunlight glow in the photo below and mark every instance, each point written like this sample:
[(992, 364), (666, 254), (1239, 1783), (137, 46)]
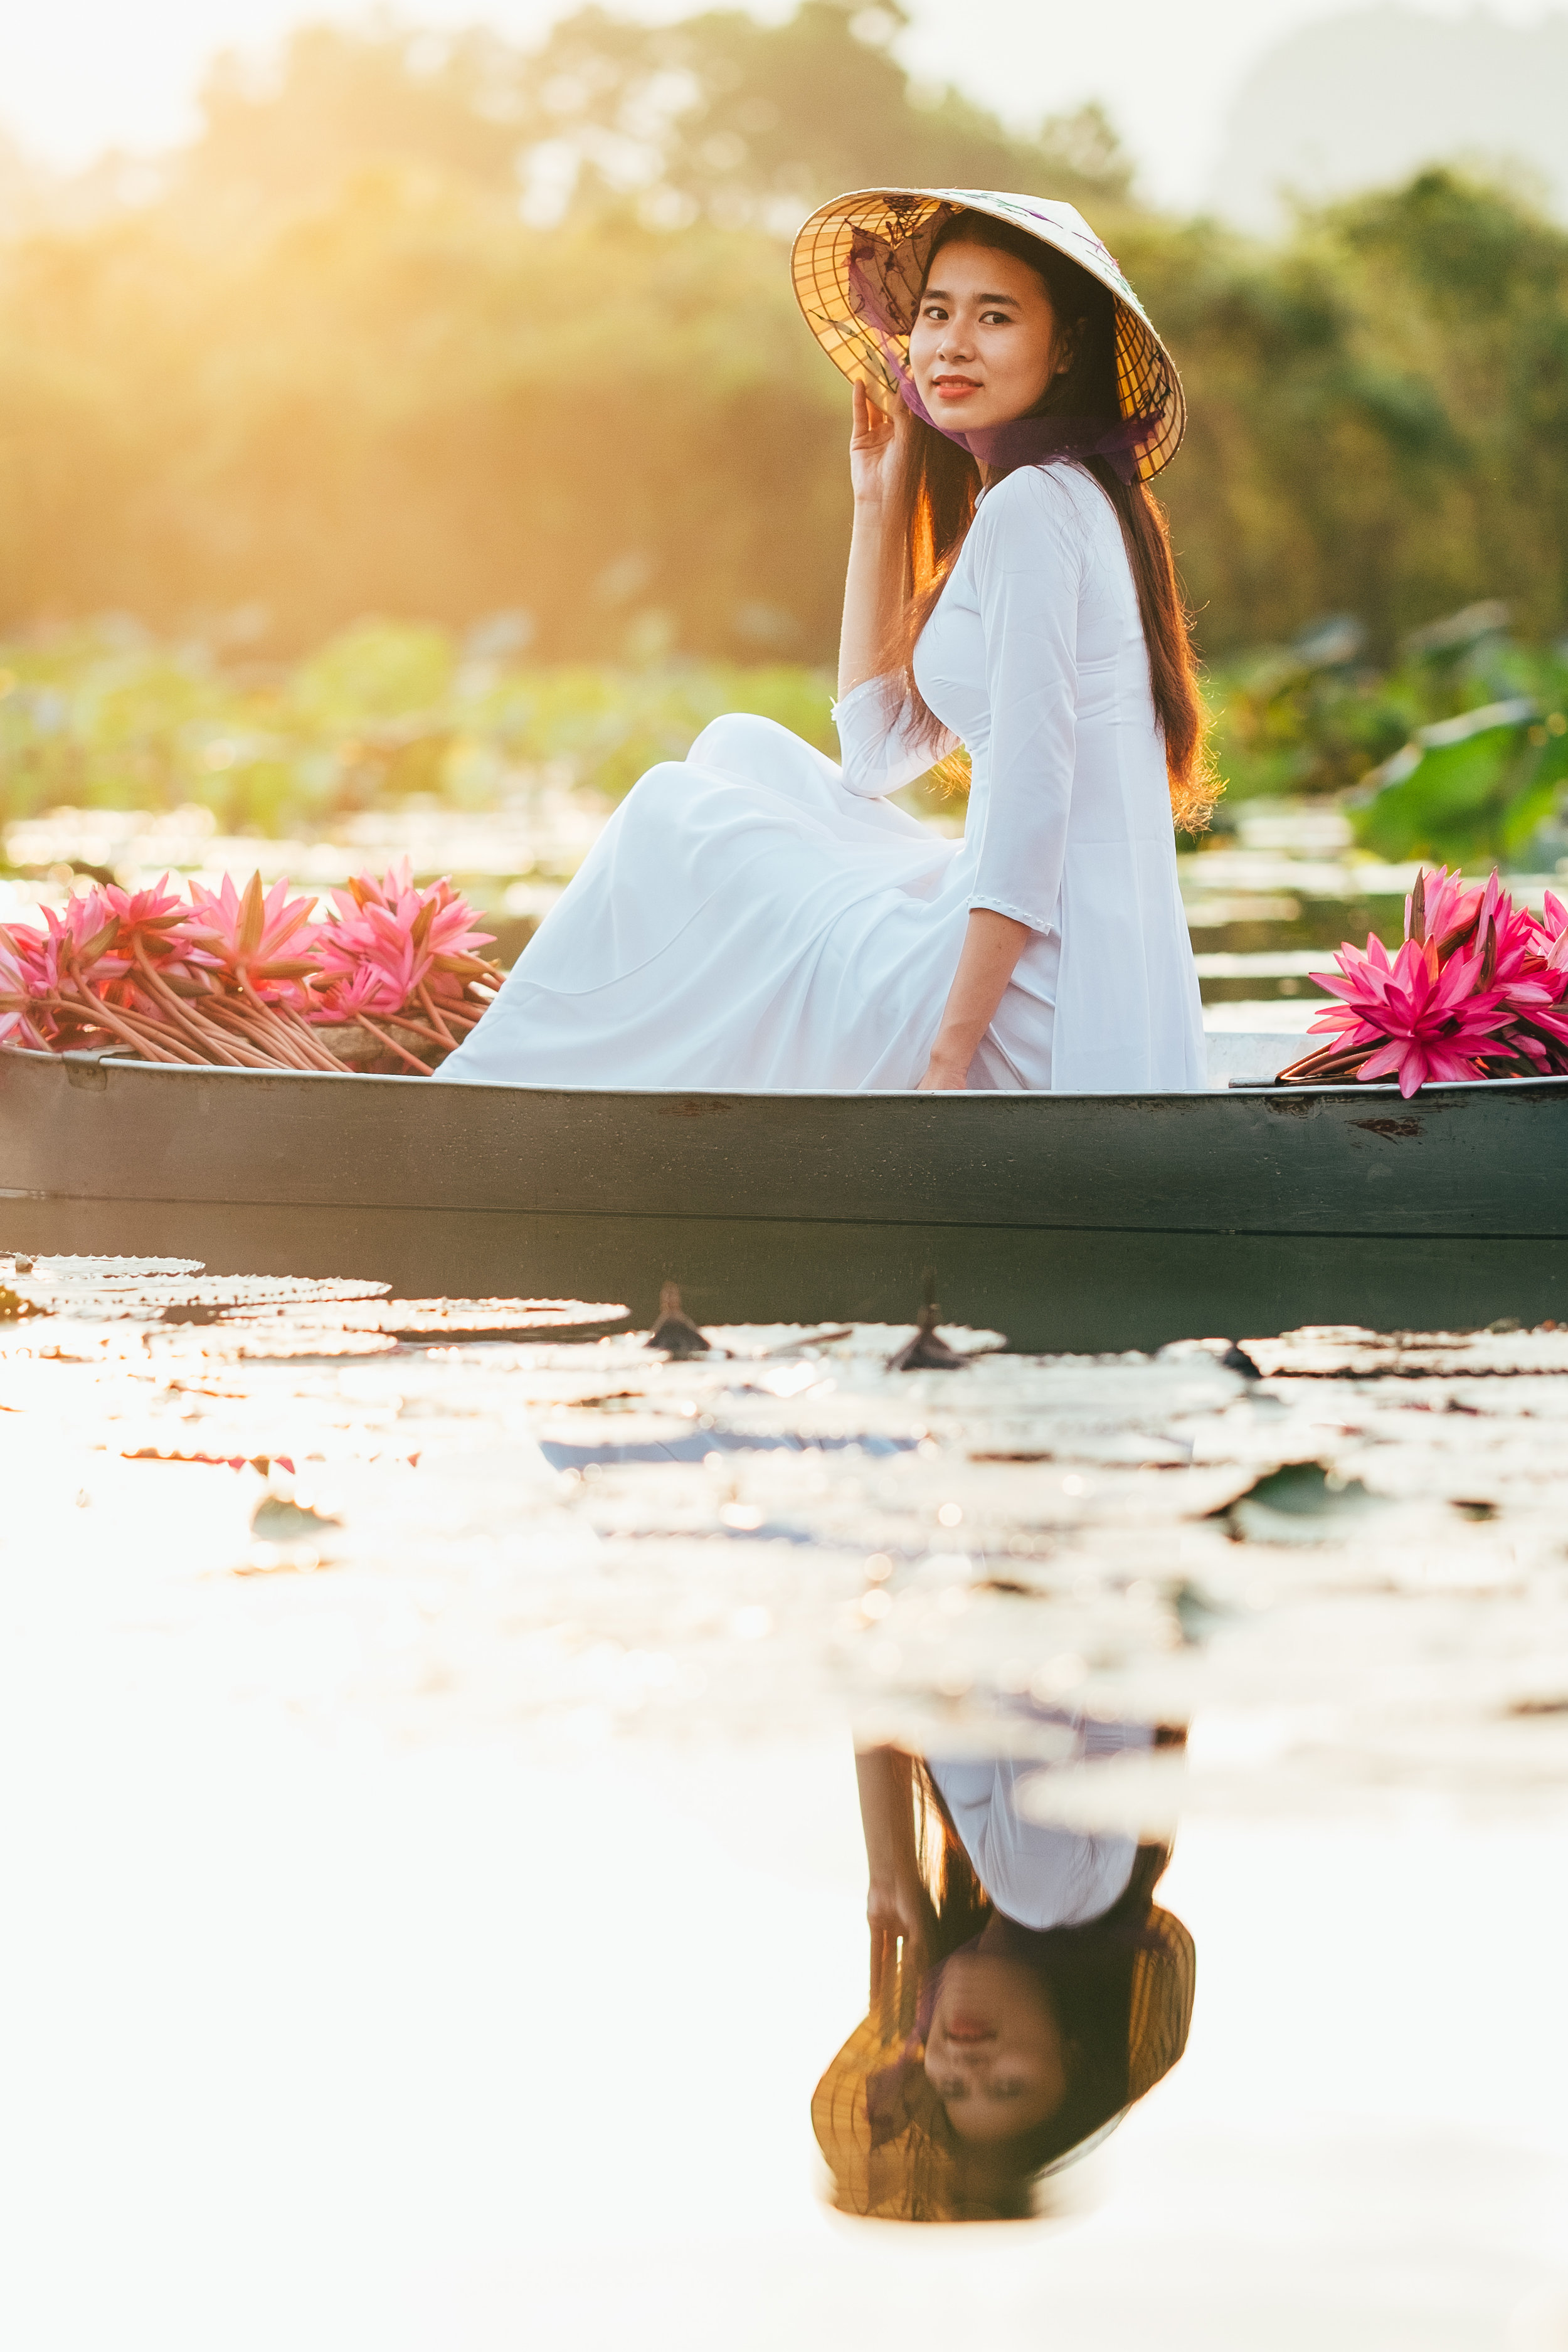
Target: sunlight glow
[(91, 74)]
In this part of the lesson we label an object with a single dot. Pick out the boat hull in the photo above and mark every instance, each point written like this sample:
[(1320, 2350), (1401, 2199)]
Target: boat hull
[(1456, 1161), (1070, 1222)]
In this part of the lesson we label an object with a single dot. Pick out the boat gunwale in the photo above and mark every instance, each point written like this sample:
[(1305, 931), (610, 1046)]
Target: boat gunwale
[(1349, 1091)]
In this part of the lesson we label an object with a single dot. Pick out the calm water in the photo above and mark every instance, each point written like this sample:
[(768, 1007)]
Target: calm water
[(437, 1882)]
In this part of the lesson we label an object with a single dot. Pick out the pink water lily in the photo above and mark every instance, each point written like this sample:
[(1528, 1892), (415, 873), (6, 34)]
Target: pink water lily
[(1435, 1021), (1418, 1019), (415, 944), (1508, 940), (26, 1014), (266, 940), (66, 973), (1478, 988), (154, 932), (1441, 909), (249, 977), (359, 987), (82, 934)]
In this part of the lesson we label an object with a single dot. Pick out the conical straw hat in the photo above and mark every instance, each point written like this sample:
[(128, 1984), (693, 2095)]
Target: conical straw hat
[(860, 262)]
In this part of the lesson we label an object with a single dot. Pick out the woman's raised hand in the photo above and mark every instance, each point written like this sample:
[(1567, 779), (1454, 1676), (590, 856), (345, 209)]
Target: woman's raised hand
[(875, 444), (897, 1911), (873, 582)]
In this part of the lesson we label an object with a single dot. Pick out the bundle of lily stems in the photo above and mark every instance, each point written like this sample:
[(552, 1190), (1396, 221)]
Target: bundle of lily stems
[(390, 981), (1479, 989)]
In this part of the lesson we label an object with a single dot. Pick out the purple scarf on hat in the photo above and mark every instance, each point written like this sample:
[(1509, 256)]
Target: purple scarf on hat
[(1000, 448)]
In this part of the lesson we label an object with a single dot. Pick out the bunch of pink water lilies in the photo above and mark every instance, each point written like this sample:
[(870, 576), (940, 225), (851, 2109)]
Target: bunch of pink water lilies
[(249, 977), (1479, 989)]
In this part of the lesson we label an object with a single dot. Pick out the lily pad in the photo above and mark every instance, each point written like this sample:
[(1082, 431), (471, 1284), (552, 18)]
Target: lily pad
[(1301, 1502)]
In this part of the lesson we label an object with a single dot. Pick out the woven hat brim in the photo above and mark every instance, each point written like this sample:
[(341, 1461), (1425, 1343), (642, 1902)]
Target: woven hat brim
[(1164, 1981), (1146, 379)]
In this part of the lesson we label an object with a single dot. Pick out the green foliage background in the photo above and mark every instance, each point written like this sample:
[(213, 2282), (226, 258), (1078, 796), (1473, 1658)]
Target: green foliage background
[(437, 329), (108, 716), (341, 366)]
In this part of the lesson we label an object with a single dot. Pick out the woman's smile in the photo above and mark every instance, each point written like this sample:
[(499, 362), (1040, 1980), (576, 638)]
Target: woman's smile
[(955, 387)]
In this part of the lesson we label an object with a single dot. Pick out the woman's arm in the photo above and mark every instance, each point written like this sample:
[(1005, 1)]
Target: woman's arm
[(874, 583), (878, 752), (992, 946), (897, 1904), (1029, 567)]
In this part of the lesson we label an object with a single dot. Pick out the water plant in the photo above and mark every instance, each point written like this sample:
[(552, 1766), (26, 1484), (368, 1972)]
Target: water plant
[(1475, 989), (246, 977)]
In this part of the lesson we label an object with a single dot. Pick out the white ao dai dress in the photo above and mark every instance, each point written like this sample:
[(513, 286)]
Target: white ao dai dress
[(756, 917)]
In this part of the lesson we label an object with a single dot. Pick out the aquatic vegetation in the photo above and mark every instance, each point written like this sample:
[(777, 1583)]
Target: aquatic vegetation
[(249, 977), (1476, 990), (1458, 751), (382, 715), (395, 952), (1455, 750), (21, 998)]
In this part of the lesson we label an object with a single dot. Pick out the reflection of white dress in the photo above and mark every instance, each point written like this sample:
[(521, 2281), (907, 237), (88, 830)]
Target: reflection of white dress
[(1034, 1871), (753, 915)]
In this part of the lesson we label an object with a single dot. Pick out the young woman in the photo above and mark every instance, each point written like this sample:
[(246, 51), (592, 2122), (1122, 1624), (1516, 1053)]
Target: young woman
[(753, 915)]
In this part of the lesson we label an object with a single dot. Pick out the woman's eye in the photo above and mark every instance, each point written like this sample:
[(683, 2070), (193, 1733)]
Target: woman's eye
[(994, 318)]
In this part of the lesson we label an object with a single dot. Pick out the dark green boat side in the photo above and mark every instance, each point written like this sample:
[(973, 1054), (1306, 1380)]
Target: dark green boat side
[(1087, 1221), (1484, 1159)]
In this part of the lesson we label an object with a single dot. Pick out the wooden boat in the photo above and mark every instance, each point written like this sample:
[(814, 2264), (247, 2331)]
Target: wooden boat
[(826, 1203)]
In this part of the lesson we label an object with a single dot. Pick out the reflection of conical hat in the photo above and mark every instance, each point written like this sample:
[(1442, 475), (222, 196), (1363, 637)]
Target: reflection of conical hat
[(859, 263), (899, 2166), (1165, 1975), (908, 2176)]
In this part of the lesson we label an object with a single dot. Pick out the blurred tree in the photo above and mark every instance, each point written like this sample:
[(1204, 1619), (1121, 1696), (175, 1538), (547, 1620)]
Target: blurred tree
[(284, 132), (1380, 411), (342, 368), (405, 401), (717, 115), (741, 121)]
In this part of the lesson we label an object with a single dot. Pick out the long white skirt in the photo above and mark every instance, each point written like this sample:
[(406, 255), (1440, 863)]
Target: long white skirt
[(745, 922)]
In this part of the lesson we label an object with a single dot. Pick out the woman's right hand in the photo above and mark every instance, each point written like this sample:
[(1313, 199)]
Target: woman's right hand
[(898, 1910), (875, 448)]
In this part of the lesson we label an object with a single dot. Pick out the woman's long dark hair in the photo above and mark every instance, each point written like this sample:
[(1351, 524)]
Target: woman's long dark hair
[(941, 484), (1086, 1973)]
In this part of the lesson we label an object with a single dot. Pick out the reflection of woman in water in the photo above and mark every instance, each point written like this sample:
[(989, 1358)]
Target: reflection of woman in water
[(1015, 2015)]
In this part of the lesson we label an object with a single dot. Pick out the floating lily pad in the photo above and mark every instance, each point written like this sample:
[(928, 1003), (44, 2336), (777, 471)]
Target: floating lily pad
[(475, 1319), (1301, 1502), (139, 1294), (276, 1520), (101, 1273)]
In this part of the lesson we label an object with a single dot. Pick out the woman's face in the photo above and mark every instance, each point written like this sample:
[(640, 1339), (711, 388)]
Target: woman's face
[(994, 2053), (984, 345)]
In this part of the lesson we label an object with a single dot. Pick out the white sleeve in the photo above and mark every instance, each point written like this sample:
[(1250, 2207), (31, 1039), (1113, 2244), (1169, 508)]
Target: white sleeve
[(877, 753), (1029, 571), (1038, 1874)]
